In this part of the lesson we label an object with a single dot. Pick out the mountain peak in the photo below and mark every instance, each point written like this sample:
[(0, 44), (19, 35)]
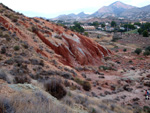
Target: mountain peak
[(81, 13), (119, 4), (114, 9)]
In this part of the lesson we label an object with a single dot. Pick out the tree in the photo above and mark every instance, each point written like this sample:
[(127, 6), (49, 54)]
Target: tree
[(147, 48), (77, 27), (145, 33), (129, 26), (113, 24), (103, 25), (96, 24), (140, 31), (137, 23), (138, 51)]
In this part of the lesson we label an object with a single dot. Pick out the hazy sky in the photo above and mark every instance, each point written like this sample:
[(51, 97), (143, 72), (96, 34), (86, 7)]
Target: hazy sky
[(53, 8)]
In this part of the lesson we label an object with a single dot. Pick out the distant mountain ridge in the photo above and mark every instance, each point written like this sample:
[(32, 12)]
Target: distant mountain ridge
[(116, 9), (72, 16), (137, 13)]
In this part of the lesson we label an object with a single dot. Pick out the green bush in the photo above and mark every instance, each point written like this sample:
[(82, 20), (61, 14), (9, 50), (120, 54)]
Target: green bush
[(125, 50), (145, 33), (138, 51), (130, 61), (86, 34), (16, 48), (146, 53), (147, 48)]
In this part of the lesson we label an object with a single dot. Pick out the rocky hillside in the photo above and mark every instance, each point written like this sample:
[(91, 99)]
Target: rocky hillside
[(70, 48), (47, 68)]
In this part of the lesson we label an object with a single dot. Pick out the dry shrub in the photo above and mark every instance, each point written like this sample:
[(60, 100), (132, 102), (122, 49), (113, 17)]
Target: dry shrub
[(22, 79), (85, 84), (55, 88)]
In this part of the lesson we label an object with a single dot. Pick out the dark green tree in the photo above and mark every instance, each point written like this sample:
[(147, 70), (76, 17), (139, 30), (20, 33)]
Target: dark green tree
[(103, 25), (129, 26), (147, 48), (77, 27), (140, 31), (113, 24), (96, 24), (137, 23), (145, 33)]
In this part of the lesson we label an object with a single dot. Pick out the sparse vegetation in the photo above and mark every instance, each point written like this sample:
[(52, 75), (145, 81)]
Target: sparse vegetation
[(105, 68), (12, 16), (34, 29), (116, 37)]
